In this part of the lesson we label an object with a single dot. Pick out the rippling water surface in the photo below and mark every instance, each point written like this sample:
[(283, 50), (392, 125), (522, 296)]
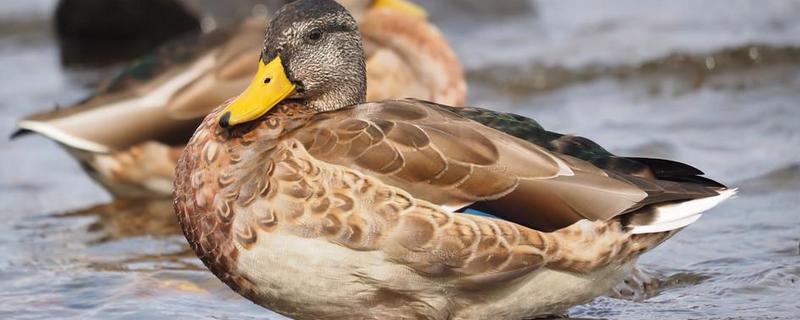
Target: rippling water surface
[(712, 83)]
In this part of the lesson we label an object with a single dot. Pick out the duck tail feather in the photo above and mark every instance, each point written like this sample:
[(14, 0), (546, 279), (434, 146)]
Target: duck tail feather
[(675, 215)]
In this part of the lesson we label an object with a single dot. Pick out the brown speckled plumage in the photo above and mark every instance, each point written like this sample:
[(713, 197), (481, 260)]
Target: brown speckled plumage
[(284, 175), (356, 212)]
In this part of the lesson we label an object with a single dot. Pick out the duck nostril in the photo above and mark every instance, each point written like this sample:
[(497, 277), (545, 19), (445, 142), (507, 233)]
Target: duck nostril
[(224, 121), (267, 80)]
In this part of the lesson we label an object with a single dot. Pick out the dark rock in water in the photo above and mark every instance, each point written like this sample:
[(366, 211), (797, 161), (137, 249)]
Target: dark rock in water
[(108, 31)]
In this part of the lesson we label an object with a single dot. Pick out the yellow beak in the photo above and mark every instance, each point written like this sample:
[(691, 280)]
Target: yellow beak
[(269, 87), (402, 6)]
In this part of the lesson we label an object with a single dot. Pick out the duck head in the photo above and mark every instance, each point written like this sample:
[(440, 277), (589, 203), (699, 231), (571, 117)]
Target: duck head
[(312, 54)]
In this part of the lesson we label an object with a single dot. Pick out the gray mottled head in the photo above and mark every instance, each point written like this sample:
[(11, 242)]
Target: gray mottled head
[(320, 47)]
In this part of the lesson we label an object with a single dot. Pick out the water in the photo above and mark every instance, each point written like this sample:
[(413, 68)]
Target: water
[(714, 84)]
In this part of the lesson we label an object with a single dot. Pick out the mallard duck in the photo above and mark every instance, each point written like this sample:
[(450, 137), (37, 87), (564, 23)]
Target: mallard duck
[(311, 202), (128, 136)]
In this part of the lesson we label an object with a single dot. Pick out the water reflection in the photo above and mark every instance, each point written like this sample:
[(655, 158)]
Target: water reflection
[(124, 218)]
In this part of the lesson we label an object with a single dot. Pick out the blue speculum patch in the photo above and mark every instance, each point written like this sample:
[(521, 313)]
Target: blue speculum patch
[(479, 213)]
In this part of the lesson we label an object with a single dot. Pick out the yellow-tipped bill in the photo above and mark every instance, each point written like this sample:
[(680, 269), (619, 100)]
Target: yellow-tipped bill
[(402, 6), (269, 87)]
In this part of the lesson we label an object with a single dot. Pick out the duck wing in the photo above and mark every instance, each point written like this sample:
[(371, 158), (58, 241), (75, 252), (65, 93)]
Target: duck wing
[(440, 156), (161, 97)]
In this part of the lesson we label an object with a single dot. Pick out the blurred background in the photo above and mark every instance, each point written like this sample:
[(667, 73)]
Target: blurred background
[(715, 84)]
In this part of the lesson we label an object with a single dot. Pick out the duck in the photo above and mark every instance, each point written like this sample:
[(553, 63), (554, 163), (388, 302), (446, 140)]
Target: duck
[(129, 134), (308, 200)]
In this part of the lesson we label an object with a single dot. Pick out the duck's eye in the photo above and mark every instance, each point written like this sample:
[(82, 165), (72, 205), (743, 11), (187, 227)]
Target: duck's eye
[(315, 35)]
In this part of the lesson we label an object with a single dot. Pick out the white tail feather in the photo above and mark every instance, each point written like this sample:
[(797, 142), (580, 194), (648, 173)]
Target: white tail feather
[(678, 215)]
